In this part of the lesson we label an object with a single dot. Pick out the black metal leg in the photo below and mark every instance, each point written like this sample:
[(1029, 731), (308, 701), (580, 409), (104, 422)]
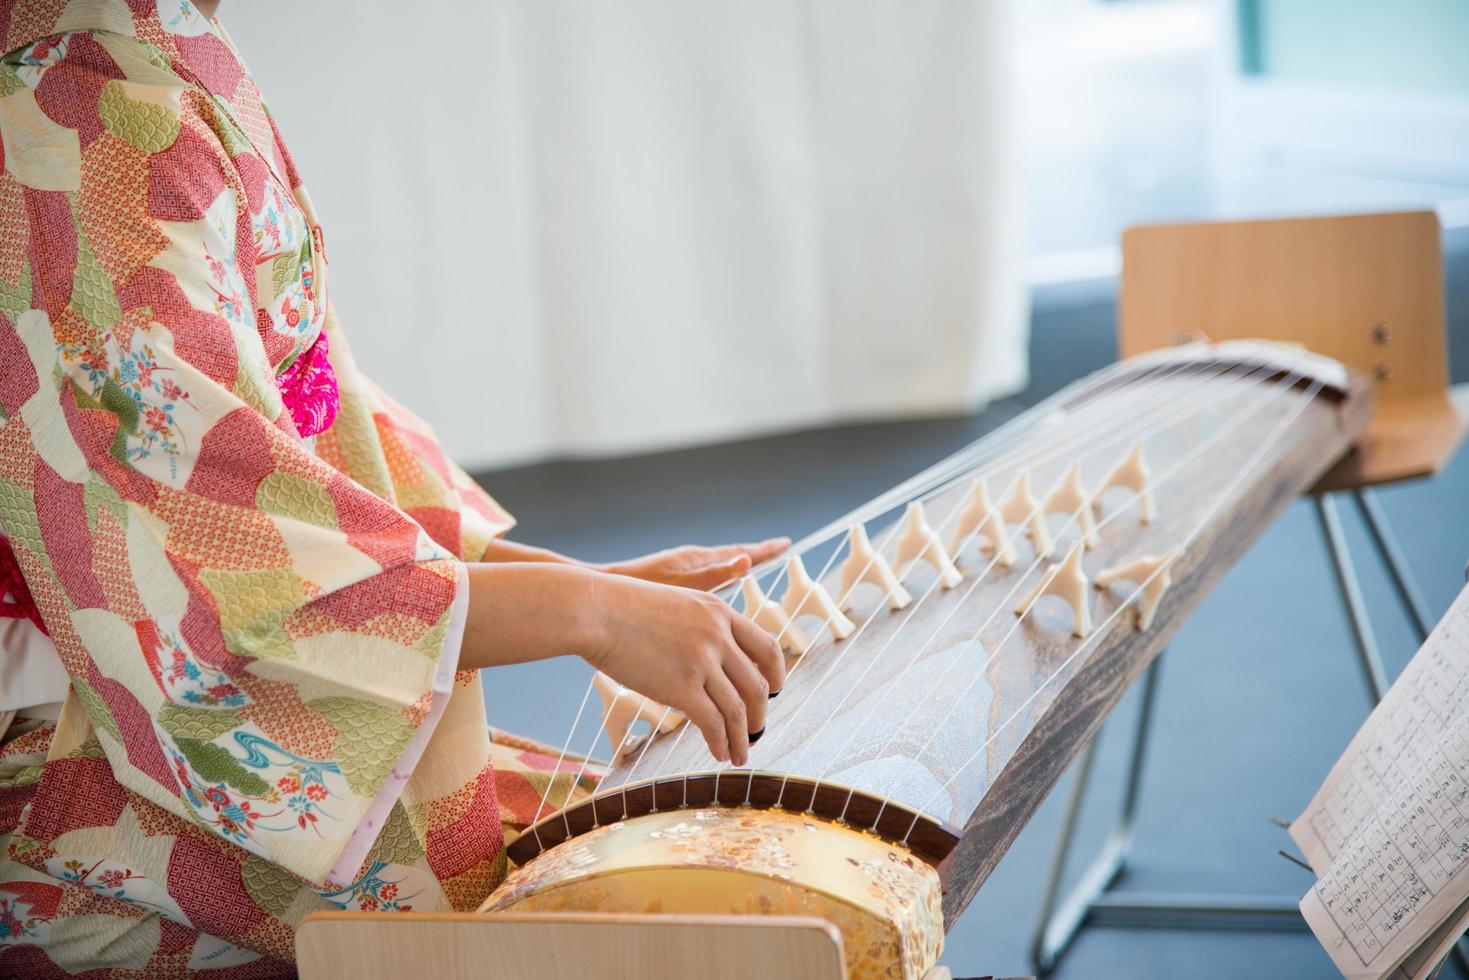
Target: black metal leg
[(1397, 565), (1351, 593), (1060, 922)]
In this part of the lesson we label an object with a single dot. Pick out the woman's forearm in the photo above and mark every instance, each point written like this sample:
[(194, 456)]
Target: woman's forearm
[(503, 550), (520, 611), (680, 647)]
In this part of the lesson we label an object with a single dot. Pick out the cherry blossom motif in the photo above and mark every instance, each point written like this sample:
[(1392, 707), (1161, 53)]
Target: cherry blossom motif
[(180, 675), (375, 891)]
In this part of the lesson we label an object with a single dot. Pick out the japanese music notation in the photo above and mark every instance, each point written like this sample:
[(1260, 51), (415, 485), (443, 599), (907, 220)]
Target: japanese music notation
[(1388, 832)]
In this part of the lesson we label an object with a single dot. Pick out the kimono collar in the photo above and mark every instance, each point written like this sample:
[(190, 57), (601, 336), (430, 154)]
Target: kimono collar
[(194, 44)]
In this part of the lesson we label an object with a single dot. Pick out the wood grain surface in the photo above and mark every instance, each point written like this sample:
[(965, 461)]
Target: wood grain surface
[(957, 708), (1366, 289), (468, 946)]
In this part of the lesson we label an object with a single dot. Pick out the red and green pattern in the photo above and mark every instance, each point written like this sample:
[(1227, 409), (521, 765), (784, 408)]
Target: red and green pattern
[(259, 620)]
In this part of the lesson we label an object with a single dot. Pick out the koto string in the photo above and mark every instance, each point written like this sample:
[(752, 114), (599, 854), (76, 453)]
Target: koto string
[(1208, 401), (1096, 422), (1219, 502), (1003, 603), (812, 540), (1121, 437), (586, 695), (881, 545), (1055, 450), (940, 474), (936, 478)]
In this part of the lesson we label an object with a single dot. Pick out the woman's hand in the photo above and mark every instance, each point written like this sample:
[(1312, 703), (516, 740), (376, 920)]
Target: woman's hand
[(696, 567), (680, 647), (688, 650)]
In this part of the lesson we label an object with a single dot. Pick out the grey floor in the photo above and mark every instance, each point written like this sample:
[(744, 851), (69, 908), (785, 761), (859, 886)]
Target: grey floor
[(1258, 695)]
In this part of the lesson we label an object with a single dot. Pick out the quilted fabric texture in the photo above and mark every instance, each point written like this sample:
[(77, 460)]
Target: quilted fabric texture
[(259, 627)]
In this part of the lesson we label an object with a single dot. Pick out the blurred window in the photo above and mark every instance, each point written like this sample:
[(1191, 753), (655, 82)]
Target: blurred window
[(1406, 44)]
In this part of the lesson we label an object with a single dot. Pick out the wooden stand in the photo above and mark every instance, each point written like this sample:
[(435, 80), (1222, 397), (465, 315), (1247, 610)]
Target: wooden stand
[(1366, 290)]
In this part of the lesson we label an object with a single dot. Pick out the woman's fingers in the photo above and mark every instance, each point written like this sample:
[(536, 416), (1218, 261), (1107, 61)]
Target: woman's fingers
[(722, 692), (717, 573), (762, 649), (765, 550), (752, 688), (708, 719)]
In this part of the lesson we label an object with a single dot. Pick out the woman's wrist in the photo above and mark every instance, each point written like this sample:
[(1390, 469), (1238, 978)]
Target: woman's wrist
[(525, 611)]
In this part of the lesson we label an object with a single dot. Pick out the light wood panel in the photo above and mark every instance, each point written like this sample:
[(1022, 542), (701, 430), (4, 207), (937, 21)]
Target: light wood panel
[(1364, 289), (373, 945), (900, 708)]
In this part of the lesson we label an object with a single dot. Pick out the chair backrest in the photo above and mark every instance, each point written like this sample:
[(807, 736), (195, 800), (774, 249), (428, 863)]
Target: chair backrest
[(1366, 289), (464, 946)]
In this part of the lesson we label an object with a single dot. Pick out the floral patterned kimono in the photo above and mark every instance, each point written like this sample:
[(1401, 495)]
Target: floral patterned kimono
[(248, 558)]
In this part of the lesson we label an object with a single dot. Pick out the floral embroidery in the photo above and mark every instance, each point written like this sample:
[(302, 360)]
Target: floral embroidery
[(233, 815), (269, 790), (372, 893), (183, 679), (16, 922), (278, 228), (224, 279), (303, 784), (38, 57), (182, 17), (115, 880), (159, 402)]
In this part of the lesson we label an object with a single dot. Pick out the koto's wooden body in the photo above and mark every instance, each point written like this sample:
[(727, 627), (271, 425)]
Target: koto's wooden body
[(842, 706), (955, 707)]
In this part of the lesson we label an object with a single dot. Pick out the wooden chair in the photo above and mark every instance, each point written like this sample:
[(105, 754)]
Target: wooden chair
[(1366, 290)]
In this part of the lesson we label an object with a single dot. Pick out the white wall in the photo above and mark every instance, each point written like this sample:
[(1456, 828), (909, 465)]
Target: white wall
[(583, 227)]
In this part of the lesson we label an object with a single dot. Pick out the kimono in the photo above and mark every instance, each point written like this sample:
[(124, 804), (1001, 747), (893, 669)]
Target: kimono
[(249, 558)]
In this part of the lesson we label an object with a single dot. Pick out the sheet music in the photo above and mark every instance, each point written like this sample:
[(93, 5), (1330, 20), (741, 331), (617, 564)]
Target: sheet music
[(1388, 831)]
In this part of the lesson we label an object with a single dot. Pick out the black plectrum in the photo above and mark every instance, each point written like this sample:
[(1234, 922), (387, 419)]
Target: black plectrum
[(755, 736)]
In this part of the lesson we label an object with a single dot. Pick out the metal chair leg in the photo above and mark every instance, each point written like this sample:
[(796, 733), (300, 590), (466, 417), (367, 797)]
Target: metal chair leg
[(1351, 593), (1060, 921), (1392, 556), (1089, 900)]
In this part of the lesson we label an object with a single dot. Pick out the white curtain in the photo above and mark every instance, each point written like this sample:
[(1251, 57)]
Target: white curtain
[(594, 227)]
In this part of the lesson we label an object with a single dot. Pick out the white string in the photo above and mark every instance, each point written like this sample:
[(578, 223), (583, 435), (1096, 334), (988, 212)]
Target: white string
[(1219, 502), (1004, 461), (1056, 450), (935, 480), (1003, 603), (1208, 399), (586, 695), (923, 481)]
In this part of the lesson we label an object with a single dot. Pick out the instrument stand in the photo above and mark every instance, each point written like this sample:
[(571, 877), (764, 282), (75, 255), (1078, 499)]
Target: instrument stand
[(1091, 901)]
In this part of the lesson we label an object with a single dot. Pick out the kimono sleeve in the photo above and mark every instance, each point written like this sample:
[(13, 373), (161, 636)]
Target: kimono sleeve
[(263, 645), (388, 448)]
